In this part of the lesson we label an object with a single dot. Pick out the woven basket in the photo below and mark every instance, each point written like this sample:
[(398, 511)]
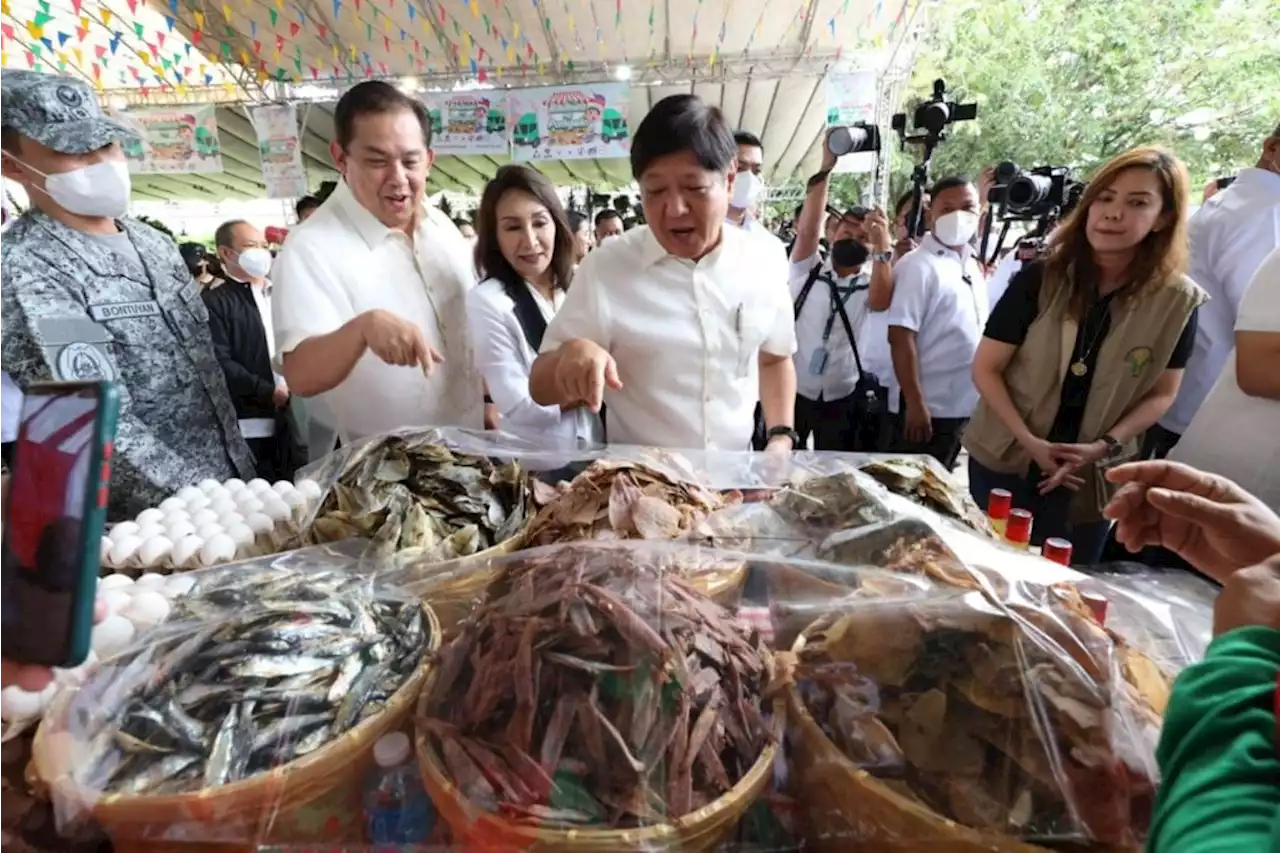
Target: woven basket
[(696, 832), (245, 813)]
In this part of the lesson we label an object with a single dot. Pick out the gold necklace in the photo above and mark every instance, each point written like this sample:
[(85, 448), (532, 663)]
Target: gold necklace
[(1078, 367)]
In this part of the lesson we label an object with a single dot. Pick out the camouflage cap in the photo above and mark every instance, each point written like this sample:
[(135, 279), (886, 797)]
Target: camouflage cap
[(57, 111)]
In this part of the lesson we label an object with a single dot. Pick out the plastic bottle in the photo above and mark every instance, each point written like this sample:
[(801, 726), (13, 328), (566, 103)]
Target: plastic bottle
[(1017, 531), (396, 807), (999, 502), (1058, 550)]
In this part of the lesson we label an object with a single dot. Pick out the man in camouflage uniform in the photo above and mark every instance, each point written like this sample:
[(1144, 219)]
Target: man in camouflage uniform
[(89, 294)]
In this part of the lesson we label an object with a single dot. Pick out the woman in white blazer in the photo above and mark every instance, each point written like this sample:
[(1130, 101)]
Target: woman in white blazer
[(524, 251)]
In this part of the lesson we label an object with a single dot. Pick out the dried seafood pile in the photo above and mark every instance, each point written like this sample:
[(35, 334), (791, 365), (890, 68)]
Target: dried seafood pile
[(619, 500), (916, 479), (407, 492), (280, 664), (596, 691), (1004, 719), (832, 502)]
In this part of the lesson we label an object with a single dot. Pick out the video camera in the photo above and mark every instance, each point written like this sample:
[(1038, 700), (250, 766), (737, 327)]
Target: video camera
[(1043, 195), (929, 121)]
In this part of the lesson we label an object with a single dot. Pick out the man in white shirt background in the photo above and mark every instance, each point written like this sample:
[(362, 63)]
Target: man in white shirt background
[(1230, 236), (608, 225), (680, 326), (935, 323), (370, 300), (855, 279), (748, 183)]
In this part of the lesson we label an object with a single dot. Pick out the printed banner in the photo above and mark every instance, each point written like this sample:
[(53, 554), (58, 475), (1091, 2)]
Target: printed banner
[(281, 150), (468, 122), (570, 122), (851, 97), (173, 139)]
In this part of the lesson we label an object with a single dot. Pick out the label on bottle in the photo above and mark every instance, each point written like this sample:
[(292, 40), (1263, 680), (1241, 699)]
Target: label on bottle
[(399, 823)]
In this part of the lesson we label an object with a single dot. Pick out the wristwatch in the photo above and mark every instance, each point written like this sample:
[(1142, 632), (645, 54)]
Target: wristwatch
[(1114, 446), (789, 432), (882, 257)]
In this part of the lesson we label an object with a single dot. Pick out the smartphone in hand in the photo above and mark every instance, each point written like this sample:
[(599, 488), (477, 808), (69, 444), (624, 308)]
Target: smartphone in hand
[(54, 514)]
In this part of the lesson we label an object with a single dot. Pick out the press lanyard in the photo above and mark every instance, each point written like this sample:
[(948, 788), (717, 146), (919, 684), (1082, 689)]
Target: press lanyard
[(862, 282)]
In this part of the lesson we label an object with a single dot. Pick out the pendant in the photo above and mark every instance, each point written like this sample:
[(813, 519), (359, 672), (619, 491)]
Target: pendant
[(1079, 368)]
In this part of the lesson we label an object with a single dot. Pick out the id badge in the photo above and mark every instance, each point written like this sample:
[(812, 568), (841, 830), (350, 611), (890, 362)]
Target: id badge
[(818, 361)]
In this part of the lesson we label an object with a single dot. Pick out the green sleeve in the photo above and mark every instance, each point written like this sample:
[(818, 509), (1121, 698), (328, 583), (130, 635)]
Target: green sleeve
[(1219, 764)]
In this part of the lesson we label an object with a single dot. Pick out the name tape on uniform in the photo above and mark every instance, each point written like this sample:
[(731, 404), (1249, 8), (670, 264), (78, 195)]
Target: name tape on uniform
[(122, 310)]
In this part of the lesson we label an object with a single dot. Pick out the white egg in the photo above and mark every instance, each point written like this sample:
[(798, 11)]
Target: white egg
[(259, 522), (277, 510), (178, 528), (281, 487), (19, 704), (186, 551), (229, 520), (154, 551), (258, 483), (176, 515), (115, 600), (198, 503), (104, 551), (171, 504), (178, 585), (151, 580), (218, 549), (148, 609), (123, 529), (235, 484), (112, 635), (310, 488), (295, 499), (210, 530), (123, 551), (203, 516), (222, 506), (115, 581), (241, 533), (150, 516), (149, 530), (208, 485), (189, 492)]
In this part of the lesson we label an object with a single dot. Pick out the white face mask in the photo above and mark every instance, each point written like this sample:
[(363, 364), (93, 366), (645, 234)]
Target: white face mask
[(747, 187), (100, 189), (956, 228), (256, 263)]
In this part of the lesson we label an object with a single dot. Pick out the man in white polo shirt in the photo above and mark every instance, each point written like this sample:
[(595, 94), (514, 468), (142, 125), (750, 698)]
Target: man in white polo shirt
[(680, 325), (935, 323), (370, 294)]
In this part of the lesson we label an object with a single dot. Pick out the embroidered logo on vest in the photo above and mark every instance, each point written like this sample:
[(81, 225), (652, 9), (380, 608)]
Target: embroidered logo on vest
[(1138, 359)]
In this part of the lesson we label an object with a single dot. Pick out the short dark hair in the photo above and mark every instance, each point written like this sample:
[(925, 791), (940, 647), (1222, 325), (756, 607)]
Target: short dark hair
[(307, 202), (375, 97), (193, 254), (607, 213), (576, 221), (746, 137), (950, 182), (226, 232), (683, 123), (489, 259)]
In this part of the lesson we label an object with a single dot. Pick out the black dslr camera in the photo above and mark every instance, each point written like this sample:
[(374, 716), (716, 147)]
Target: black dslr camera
[(1035, 193)]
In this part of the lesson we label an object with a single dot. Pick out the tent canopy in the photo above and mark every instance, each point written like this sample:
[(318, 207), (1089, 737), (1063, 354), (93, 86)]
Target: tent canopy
[(761, 61)]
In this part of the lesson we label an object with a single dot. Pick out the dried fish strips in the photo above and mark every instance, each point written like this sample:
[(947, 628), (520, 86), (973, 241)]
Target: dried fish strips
[(621, 500), (832, 502), (409, 492), (918, 480), (1014, 720), (281, 663), (597, 689)]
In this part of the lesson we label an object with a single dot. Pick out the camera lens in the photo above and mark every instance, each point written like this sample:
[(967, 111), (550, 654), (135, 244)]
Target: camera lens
[(1026, 190)]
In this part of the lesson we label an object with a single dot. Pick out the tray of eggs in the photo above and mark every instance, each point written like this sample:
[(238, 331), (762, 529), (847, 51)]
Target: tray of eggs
[(208, 524)]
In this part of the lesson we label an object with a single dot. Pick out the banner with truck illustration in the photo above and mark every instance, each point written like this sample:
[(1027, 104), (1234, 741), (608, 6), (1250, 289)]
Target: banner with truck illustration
[(280, 149), (173, 139), (569, 122), (468, 122)]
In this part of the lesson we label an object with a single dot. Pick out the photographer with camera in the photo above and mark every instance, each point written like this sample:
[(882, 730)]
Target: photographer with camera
[(1086, 349), (839, 399)]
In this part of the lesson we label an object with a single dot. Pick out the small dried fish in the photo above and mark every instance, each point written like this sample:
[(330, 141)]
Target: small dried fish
[(919, 480)]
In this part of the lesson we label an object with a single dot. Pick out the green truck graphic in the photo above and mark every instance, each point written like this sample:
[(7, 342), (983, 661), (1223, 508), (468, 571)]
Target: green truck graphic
[(526, 131), (614, 125)]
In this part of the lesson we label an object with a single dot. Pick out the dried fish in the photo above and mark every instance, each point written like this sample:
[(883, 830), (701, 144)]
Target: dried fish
[(410, 492), (591, 727), (621, 500), (917, 479)]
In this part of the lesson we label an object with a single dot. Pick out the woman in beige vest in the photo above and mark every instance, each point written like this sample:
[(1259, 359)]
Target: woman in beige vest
[(1086, 349)]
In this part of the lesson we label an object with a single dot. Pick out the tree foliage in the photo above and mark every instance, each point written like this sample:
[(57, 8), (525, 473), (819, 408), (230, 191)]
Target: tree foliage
[(1075, 82)]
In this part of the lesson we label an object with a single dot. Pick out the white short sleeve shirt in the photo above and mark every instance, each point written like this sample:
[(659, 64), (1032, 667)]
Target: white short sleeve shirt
[(1234, 434), (686, 336), (827, 369), (940, 294), (343, 262), (1230, 236)]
